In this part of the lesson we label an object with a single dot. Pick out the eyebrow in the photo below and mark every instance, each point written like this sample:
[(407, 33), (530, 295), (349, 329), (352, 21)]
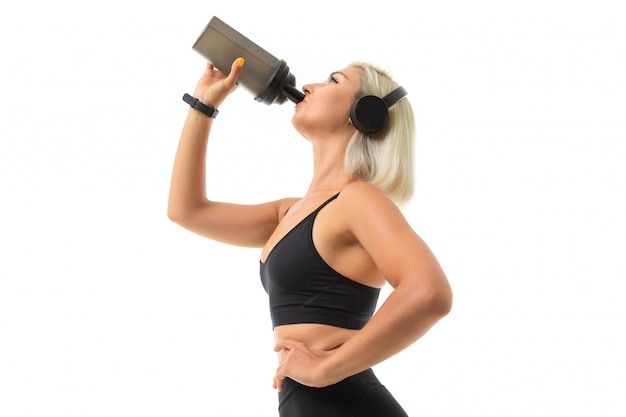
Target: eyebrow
[(340, 73)]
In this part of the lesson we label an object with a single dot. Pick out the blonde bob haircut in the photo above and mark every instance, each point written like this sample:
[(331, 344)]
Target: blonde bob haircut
[(384, 158)]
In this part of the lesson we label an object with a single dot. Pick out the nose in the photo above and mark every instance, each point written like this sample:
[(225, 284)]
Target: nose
[(306, 89)]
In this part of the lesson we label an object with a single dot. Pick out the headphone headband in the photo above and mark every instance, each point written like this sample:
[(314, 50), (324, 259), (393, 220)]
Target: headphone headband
[(395, 96)]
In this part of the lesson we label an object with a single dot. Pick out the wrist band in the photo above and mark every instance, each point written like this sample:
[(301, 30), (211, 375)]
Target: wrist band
[(201, 107)]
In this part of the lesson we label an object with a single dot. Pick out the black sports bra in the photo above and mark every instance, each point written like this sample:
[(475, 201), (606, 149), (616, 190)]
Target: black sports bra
[(303, 288)]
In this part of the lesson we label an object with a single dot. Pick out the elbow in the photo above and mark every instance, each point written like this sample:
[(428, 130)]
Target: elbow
[(177, 215), (442, 299), (173, 214), (436, 300), (185, 215), (441, 303), (441, 295)]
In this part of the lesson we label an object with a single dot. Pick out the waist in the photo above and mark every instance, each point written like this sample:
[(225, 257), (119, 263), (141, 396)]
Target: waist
[(319, 336)]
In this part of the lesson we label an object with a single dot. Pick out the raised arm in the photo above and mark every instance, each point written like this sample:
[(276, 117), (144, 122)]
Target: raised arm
[(188, 205)]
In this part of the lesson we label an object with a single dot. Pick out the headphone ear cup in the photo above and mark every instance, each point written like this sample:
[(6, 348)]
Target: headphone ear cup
[(369, 114)]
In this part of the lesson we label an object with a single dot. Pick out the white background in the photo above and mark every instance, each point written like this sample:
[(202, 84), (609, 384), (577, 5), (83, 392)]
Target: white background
[(109, 309)]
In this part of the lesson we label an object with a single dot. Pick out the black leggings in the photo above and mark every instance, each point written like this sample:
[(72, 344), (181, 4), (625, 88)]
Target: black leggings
[(361, 395)]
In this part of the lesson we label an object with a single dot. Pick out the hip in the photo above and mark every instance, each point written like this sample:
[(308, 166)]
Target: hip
[(361, 395)]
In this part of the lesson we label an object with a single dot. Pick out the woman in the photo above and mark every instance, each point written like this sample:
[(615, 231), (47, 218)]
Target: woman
[(326, 255)]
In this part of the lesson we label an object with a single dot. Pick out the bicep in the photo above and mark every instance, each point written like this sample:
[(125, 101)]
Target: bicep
[(248, 225), (395, 248)]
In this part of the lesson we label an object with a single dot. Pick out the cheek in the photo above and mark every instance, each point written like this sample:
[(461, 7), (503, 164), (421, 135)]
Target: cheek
[(339, 111)]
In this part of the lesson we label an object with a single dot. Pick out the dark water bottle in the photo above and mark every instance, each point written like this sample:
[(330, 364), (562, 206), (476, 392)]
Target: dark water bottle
[(264, 75)]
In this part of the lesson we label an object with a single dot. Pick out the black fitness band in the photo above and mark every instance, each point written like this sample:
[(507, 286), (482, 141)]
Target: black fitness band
[(200, 106)]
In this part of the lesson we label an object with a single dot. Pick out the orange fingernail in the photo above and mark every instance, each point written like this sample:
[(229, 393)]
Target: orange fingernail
[(240, 62)]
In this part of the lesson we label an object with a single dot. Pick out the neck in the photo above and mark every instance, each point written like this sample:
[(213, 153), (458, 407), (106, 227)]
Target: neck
[(328, 166)]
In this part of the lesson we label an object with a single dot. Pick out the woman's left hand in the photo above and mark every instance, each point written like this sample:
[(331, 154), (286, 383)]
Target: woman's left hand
[(301, 363)]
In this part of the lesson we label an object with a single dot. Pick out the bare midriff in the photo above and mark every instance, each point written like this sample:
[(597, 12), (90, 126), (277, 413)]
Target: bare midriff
[(319, 336)]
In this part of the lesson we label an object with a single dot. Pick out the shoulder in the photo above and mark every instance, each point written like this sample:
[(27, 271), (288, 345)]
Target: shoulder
[(363, 204), (362, 194)]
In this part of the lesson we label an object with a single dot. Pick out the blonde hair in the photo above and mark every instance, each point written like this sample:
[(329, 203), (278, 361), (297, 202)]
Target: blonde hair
[(384, 158)]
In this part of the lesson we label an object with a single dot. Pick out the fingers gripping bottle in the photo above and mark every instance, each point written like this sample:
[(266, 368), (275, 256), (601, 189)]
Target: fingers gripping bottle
[(264, 75)]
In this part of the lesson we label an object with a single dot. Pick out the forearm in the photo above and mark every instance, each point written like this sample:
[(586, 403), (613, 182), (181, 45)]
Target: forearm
[(406, 315), (188, 183)]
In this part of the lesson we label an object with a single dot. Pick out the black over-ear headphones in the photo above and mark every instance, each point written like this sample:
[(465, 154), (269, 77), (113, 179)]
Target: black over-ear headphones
[(369, 113)]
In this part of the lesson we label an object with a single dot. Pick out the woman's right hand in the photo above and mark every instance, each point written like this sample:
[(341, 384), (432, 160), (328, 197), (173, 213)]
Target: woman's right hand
[(214, 86)]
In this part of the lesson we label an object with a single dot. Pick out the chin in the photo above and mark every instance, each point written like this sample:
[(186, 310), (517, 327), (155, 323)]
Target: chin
[(296, 122), (300, 129)]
